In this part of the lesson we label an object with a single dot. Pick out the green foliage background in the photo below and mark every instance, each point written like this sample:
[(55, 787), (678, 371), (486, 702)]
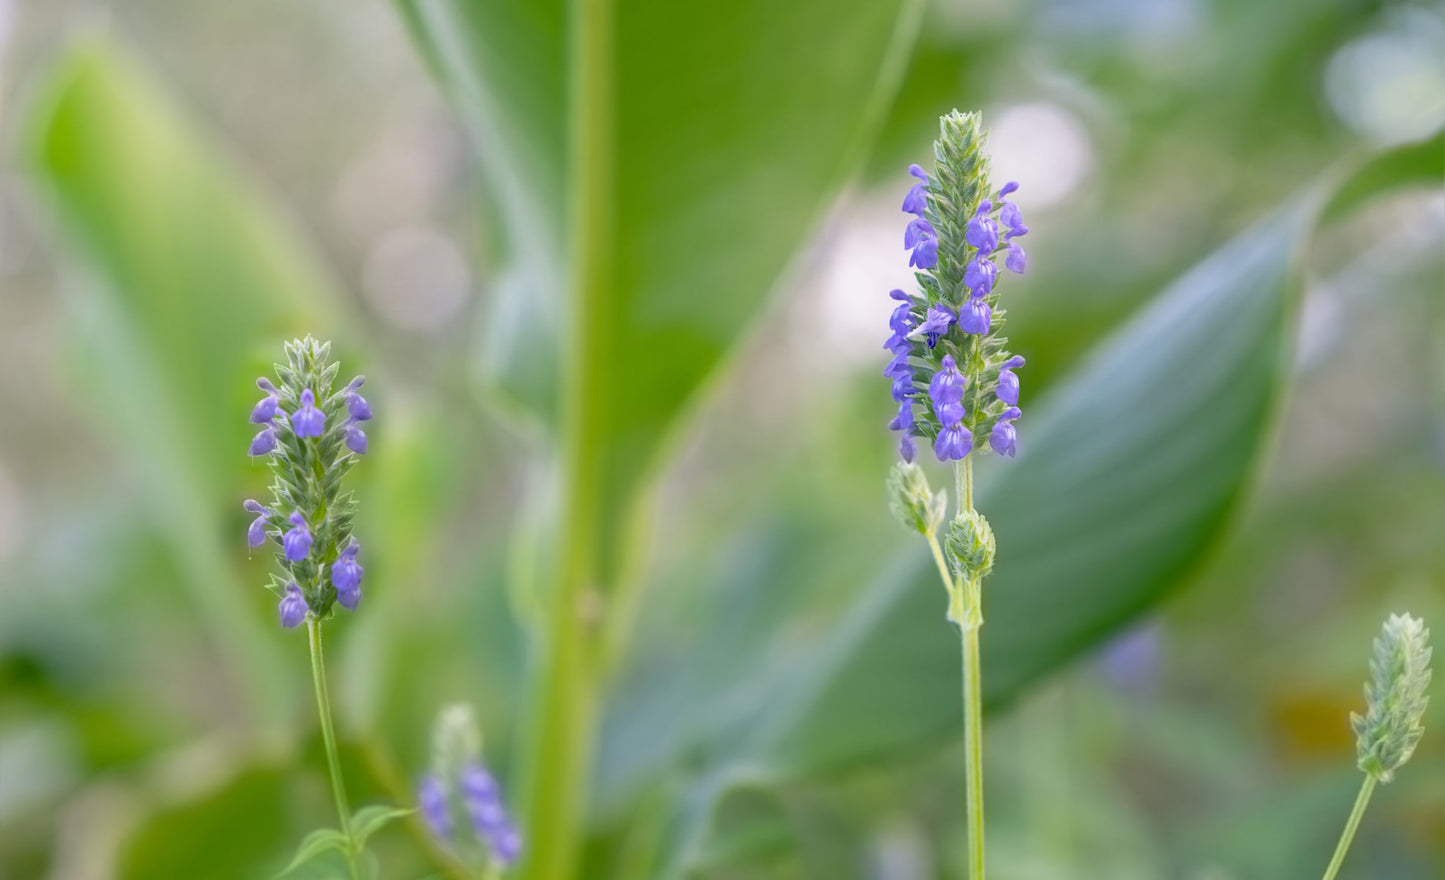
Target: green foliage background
[(1233, 463)]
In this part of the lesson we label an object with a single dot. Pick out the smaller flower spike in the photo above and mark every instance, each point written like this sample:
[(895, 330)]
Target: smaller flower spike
[(263, 443), (308, 421), (916, 202), (355, 439), (431, 795), (1008, 381), (1004, 438), (293, 607), (265, 411), (256, 532), (298, 540), (346, 575), (976, 316)]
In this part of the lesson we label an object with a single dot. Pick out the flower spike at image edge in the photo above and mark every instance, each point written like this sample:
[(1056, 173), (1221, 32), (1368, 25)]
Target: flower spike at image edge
[(954, 383), (1394, 719), (311, 436)]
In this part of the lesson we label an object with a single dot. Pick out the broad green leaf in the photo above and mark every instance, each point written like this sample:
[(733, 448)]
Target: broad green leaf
[(369, 820), (733, 124), (316, 844), (190, 276)]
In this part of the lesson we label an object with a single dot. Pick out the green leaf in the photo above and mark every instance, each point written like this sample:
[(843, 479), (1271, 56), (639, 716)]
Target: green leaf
[(190, 277), (315, 844), (719, 168), (369, 820)]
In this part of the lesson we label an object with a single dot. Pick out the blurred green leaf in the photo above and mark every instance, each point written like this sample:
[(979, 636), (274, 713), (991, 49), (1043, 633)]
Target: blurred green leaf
[(189, 267), (369, 820), (732, 135), (315, 844)]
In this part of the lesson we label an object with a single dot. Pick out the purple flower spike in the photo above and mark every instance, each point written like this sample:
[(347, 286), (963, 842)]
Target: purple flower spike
[(1015, 262), (979, 276), (906, 448), (982, 232), (297, 540), (355, 439), (953, 444), (432, 798), (346, 576), (264, 443), (293, 607), (256, 533), (976, 317), (925, 256), (1008, 381), (308, 421), (1004, 438)]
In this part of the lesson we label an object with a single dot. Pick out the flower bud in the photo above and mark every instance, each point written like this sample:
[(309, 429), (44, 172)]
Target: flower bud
[(913, 503), (970, 545), (1386, 735)]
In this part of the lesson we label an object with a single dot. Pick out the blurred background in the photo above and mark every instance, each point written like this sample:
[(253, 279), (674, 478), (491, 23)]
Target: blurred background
[(188, 184)]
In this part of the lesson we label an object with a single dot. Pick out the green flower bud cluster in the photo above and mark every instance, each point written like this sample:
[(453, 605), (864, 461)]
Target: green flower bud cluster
[(1386, 735), (913, 503), (970, 546)]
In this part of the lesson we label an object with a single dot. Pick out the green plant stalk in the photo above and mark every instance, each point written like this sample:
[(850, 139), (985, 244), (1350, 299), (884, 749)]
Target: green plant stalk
[(1361, 801), (328, 736), (969, 623), (562, 727)]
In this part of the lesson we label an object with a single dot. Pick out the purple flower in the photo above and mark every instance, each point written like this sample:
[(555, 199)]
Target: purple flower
[(1004, 438), (297, 540), (917, 231), (1015, 262), (431, 796), (483, 801), (898, 366), (355, 439), (356, 406), (346, 575), (953, 443), (906, 448), (925, 256), (904, 420), (976, 316), (308, 421), (1009, 188), (1008, 380), (902, 388), (939, 318), (982, 232), (980, 275), (256, 533), (946, 386), (916, 202), (264, 443), (265, 411), (901, 321), (293, 607)]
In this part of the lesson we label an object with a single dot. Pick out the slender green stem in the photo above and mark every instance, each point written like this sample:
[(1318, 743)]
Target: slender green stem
[(938, 560), (969, 623), (562, 726), (328, 735), (1361, 801)]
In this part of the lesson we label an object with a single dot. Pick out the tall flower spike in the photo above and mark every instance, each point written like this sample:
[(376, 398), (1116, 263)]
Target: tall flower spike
[(309, 463)]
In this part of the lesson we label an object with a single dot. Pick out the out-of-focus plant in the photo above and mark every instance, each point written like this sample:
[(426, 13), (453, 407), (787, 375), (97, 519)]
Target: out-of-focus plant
[(459, 786), (1394, 719)]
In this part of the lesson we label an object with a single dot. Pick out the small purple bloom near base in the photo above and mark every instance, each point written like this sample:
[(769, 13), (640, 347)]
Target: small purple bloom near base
[(293, 607), (256, 532), (264, 443), (346, 575)]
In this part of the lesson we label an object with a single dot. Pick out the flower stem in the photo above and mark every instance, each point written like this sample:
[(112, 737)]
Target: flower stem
[(969, 623), (1361, 801), (328, 735)]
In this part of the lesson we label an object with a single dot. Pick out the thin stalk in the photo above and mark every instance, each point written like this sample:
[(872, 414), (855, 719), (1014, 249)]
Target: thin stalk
[(1361, 801), (968, 626), (328, 735), (562, 726)]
